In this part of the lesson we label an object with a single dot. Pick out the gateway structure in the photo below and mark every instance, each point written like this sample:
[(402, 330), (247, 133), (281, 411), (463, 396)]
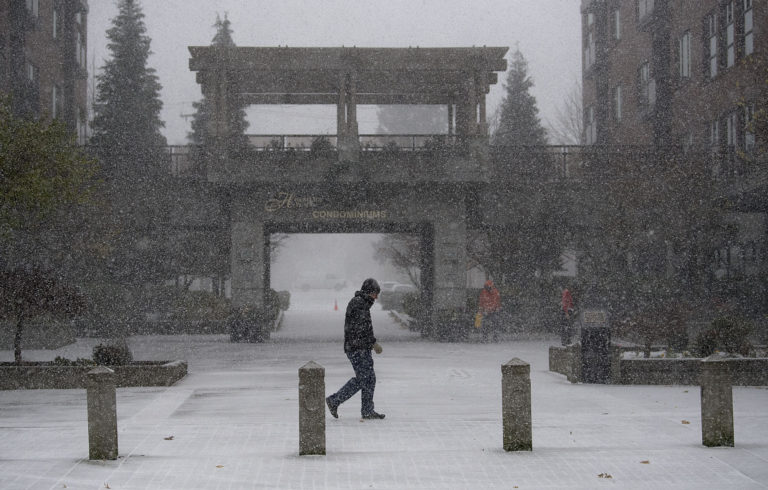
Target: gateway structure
[(350, 183)]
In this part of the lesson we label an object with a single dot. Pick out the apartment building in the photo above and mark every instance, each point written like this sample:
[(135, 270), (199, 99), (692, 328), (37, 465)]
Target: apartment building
[(43, 47), (686, 75), (673, 72)]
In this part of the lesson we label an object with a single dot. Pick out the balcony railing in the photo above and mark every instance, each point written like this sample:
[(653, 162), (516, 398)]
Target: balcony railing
[(551, 163), (368, 142)]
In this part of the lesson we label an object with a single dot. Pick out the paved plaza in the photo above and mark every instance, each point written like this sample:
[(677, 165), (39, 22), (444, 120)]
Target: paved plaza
[(232, 423)]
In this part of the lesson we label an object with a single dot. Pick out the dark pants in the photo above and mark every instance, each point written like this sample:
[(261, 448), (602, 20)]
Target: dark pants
[(490, 326), (365, 380), (566, 329)]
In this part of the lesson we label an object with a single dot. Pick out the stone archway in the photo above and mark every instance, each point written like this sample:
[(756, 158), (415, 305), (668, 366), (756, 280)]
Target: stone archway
[(350, 186)]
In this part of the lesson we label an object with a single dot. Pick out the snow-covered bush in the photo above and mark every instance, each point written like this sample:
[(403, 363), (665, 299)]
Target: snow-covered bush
[(725, 334)]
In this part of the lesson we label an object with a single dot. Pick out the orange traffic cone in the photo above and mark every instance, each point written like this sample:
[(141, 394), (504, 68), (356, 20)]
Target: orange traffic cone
[(335, 305)]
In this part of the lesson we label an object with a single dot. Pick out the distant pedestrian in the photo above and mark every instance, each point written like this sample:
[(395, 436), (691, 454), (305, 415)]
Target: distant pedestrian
[(489, 306), (568, 308), (358, 342)]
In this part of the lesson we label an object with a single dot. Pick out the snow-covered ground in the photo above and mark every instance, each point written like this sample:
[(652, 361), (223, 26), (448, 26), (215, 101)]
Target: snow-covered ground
[(233, 421)]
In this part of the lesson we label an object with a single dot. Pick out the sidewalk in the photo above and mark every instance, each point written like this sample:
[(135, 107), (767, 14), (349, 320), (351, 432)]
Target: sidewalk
[(233, 423)]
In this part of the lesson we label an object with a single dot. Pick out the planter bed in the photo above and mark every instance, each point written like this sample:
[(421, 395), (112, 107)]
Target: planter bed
[(745, 371), (47, 375)]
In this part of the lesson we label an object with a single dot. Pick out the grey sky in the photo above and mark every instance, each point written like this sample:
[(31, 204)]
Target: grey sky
[(548, 33)]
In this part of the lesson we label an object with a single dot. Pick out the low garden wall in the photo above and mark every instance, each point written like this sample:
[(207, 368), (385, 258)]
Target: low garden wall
[(745, 371), (47, 375)]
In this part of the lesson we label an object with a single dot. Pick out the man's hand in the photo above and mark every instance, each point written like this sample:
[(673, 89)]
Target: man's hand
[(377, 348)]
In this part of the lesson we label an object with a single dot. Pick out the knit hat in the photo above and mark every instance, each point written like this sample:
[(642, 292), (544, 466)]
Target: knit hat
[(370, 286)]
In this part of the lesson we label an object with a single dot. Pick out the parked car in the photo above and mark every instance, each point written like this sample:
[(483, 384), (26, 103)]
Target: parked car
[(392, 298), (327, 281), (387, 285)]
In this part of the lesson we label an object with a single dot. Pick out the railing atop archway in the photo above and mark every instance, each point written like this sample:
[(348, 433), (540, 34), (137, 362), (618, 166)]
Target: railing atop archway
[(548, 163), (368, 142)]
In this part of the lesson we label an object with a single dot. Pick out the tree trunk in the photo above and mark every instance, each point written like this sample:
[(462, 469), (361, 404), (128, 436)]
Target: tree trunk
[(17, 340)]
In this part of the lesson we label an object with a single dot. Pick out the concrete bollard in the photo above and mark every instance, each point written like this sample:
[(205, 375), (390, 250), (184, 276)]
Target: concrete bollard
[(102, 414), (516, 405), (716, 402), (311, 409)]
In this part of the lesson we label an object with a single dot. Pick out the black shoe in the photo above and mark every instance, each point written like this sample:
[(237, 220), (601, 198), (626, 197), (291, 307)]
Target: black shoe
[(333, 408), (373, 415)]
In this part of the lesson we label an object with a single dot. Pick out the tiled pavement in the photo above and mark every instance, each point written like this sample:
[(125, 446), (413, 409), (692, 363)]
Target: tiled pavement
[(234, 424)]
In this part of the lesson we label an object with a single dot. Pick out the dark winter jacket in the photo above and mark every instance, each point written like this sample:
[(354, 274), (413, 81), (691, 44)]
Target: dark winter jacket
[(358, 328)]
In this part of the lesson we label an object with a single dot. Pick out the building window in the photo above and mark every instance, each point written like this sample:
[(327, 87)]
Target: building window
[(80, 49), (730, 32), (749, 128), (617, 102), (31, 72), (589, 50), (646, 86), (81, 127), (714, 134), (686, 142), (731, 130), (590, 126), (749, 36), (616, 24), (55, 96), (644, 8), (33, 7), (711, 49), (685, 55)]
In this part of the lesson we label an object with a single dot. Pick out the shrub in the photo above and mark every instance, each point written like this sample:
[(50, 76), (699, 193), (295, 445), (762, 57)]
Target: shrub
[(390, 148), (198, 306), (284, 299), (321, 147), (248, 324), (726, 333), (660, 324), (80, 361), (112, 354), (413, 306)]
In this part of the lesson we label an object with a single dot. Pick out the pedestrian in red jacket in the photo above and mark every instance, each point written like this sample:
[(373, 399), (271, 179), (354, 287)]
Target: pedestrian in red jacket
[(489, 305)]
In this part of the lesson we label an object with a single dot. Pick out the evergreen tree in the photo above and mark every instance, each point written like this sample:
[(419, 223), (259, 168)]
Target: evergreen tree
[(519, 122), (127, 108), (126, 133), (236, 122)]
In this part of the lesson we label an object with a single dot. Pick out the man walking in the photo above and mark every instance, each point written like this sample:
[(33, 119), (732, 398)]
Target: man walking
[(358, 342)]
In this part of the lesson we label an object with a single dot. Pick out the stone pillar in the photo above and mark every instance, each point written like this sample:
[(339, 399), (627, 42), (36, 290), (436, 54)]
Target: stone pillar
[(716, 402), (220, 115), (341, 114), (352, 109), (450, 257), (311, 409), (348, 145), (516, 405), (466, 109), (482, 123), (616, 353), (247, 254), (102, 414), (574, 357)]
